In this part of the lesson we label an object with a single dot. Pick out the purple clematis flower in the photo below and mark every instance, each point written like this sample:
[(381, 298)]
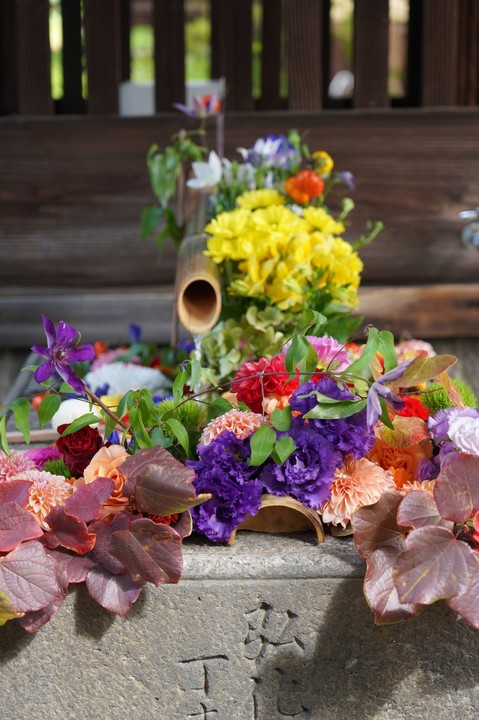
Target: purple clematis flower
[(60, 353), (203, 106), (378, 390), (347, 178)]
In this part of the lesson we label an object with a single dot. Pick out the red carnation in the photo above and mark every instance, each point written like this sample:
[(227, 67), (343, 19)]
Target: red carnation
[(413, 408), (78, 448), (248, 388)]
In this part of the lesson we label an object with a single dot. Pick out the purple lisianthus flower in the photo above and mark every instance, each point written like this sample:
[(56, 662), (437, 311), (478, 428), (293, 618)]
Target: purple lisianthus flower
[(272, 151), (60, 353), (223, 471), (307, 474), (351, 435)]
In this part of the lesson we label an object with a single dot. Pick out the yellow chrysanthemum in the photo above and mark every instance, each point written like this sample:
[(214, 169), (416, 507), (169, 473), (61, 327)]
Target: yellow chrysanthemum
[(323, 162), (253, 199), (228, 224), (321, 220)]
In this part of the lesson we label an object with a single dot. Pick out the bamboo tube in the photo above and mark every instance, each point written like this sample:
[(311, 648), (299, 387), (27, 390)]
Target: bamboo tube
[(199, 290)]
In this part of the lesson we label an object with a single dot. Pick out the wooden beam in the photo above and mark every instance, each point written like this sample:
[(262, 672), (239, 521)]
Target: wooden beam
[(231, 50), (439, 52), (271, 55), (8, 64), (72, 101), (33, 57), (103, 55), (168, 26), (371, 53), (305, 54), (468, 53)]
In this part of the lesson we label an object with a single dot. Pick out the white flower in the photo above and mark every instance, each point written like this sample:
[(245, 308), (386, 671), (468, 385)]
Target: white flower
[(464, 433), (241, 174), (208, 174), (122, 377), (69, 411)]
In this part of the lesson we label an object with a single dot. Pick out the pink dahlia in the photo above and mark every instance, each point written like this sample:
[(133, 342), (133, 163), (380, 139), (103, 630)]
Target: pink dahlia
[(331, 354), (357, 483), (412, 348), (241, 422), (46, 492), (11, 466)]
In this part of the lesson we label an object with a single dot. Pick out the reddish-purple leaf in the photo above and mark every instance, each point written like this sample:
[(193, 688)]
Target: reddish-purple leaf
[(34, 619), (419, 509), (86, 503), (16, 525), (67, 531), (380, 591), (457, 488), (467, 604), (28, 577), (160, 484), (116, 593), (76, 566), (184, 525), (434, 566), (15, 491), (104, 530), (426, 368), (150, 552), (375, 526)]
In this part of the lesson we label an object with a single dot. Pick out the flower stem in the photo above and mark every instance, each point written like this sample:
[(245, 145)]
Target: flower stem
[(106, 409)]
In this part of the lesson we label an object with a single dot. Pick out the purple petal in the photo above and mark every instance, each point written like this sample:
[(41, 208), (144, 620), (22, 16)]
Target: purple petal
[(67, 374), (44, 372), (396, 402), (185, 109), (396, 372), (66, 334), (373, 407), (50, 332), (85, 352), (39, 350)]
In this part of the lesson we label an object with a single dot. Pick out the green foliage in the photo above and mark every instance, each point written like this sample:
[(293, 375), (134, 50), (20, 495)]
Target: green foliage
[(57, 467), (435, 397)]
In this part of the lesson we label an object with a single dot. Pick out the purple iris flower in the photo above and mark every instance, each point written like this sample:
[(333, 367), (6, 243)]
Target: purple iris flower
[(60, 353), (378, 390)]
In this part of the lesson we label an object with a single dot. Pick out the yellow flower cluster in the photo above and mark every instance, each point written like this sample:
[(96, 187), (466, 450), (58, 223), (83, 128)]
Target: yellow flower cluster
[(281, 257)]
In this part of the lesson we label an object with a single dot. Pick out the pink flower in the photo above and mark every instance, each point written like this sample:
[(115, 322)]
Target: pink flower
[(425, 486), (413, 348), (46, 492), (110, 356), (10, 467), (40, 456), (241, 422), (357, 483), (330, 353)]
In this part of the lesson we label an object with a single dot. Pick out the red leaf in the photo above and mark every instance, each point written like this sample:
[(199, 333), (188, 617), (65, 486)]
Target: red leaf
[(104, 531), (86, 503), (376, 526), (380, 591), (15, 491), (161, 484), (76, 566), (457, 488), (419, 509), (33, 620), (116, 593), (28, 577), (467, 604), (150, 552), (68, 531), (407, 431), (16, 525), (184, 526), (434, 566)]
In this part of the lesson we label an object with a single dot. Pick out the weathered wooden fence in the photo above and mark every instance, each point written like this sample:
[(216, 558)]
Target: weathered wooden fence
[(73, 176)]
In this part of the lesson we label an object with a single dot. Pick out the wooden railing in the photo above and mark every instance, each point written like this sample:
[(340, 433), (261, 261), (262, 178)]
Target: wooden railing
[(442, 64)]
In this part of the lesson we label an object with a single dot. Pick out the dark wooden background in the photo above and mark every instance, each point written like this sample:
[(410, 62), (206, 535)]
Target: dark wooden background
[(73, 177)]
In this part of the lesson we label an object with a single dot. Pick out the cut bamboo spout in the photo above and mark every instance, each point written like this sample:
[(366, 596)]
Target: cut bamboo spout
[(199, 290)]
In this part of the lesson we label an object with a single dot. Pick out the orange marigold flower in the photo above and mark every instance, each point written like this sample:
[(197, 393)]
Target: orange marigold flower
[(357, 483), (241, 422), (407, 458)]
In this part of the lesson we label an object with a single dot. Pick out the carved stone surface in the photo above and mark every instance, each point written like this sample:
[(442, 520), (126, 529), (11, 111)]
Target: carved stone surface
[(272, 627)]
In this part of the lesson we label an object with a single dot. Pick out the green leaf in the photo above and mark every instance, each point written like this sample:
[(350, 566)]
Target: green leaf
[(180, 433), (139, 431), (110, 424), (150, 217), (64, 388), (195, 373), (124, 405), (341, 409), (29, 367), (79, 423), (424, 368), (385, 414), (21, 410), (218, 407), (178, 385), (283, 448), (387, 350), (262, 444), (301, 353), (281, 419), (158, 437), (47, 408), (310, 317), (368, 355), (3, 436)]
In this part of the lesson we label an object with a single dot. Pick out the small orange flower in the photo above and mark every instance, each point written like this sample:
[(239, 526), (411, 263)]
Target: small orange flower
[(403, 462), (303, 186), (105, 463)]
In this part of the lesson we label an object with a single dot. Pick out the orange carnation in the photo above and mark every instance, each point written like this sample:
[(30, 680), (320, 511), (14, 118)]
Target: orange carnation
[(105, 463), (402, 462)]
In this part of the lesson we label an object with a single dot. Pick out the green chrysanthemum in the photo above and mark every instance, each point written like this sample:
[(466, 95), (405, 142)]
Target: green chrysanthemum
[(57, 467), (435, 398)]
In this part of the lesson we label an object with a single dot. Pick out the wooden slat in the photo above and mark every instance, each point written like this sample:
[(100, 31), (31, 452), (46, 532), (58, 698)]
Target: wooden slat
[(441, 311), (440, 38), (102, 43), (8, 67), (271, 55), (305, 54), (468, 53), (231, 55), (414, 55), (72, 101), (125, 29), (168, 25), (371, 53), (33, 57)]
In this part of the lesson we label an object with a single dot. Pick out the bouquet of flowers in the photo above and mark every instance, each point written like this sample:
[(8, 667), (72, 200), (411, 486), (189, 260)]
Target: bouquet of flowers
[(371, 437)]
